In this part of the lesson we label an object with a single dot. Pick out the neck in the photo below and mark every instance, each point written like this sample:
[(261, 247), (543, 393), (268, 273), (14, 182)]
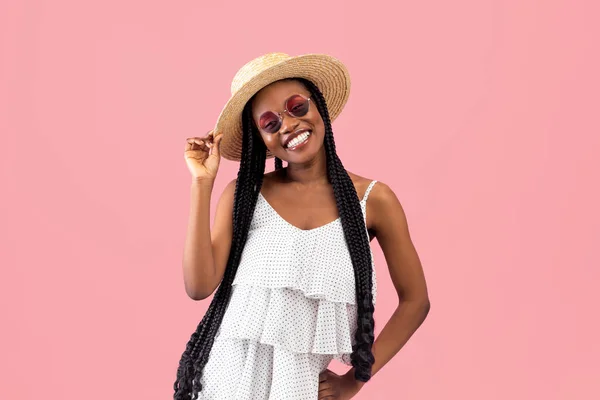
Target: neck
[(313, 172)]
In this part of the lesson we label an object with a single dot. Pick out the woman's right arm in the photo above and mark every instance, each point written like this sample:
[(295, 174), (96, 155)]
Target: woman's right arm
[(206, 251)]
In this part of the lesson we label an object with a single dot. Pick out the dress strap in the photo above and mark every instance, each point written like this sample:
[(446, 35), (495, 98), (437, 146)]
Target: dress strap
[(364, 199)]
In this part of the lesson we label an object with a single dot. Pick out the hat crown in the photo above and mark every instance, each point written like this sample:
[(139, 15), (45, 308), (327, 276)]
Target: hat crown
[(254, 67)]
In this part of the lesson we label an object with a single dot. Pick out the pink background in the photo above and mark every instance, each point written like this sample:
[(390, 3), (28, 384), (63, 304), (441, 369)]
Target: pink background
[(481, 115)]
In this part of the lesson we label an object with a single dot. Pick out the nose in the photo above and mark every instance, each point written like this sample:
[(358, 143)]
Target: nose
[(288, 124)]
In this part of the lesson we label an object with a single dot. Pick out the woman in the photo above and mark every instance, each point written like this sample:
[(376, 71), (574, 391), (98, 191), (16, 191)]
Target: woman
[(289, 250)]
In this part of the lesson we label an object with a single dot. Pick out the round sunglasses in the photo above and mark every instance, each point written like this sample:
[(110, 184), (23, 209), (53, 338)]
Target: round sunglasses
[(296, 106)]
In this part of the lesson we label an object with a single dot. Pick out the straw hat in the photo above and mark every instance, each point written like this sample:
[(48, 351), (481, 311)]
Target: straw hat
[(328, 73)]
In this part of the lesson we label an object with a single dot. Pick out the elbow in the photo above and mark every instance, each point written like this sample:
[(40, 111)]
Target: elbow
[(196, 297), (420, 305), (198, 288), (196, 294), (425, 306)]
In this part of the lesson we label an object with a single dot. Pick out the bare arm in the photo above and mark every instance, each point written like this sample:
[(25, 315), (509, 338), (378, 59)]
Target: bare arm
[(388, 220), (206, 252)]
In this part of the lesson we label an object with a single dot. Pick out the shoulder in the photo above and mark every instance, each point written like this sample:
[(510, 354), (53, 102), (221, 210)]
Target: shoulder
[(360, 183), (382, 202), (380, 192), (382, 195), (387, 213)]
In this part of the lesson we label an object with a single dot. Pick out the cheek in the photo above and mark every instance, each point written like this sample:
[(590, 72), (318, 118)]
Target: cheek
[(319, 122), (270, 140)]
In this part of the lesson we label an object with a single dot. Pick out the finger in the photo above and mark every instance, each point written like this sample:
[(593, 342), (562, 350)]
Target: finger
[(203, 144), (190, 145), (326, 394), (216, 148), (195, 140), (209, 136), (205, 138), (323, 375), (196, 144), (211, 145)]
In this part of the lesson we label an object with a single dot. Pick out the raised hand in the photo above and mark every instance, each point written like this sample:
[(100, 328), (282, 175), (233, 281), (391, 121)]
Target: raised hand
[(202, 156)]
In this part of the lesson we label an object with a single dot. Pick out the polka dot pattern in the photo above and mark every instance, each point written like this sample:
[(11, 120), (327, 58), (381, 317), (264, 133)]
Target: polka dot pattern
[(292, 311)]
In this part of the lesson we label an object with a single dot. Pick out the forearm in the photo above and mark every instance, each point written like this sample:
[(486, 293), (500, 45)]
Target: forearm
[(405, 320), (198, 261)]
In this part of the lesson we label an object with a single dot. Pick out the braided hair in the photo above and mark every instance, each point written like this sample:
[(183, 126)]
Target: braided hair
[(247, 189)]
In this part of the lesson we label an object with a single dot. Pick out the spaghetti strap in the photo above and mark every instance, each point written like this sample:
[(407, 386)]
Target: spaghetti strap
[(364, 199)]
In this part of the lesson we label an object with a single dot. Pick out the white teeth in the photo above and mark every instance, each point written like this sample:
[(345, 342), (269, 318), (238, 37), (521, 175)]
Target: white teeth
[(299, 139)]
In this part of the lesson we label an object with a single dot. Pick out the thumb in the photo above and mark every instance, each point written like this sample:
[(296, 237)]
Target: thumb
[(216, 150)]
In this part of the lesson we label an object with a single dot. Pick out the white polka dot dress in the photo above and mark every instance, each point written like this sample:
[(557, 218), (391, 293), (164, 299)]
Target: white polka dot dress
[(292, 310)]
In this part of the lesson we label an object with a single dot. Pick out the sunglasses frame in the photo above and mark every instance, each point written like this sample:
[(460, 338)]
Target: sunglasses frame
[(279, 114)]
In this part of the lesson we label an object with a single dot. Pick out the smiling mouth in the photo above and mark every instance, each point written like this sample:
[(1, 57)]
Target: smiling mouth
[(298, 140)]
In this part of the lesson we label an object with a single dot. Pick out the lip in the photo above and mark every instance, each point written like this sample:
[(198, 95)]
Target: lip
[(294, 135)]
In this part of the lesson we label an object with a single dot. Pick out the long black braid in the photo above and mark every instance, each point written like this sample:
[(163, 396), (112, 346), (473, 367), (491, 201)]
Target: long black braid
[(357, 239), (248, 186), (278, 163)]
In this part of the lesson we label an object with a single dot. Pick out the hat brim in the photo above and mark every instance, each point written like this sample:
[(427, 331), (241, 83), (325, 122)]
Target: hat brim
[(328, 73)]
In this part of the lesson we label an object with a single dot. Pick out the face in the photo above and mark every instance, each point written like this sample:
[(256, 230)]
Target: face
[(289, 143)]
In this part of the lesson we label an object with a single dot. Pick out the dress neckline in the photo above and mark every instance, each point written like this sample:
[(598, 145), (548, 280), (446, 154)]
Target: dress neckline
[(335, 221), (274, 211)]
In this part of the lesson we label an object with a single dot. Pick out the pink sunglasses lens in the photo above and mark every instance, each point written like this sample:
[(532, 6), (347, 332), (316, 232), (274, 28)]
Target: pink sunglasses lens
[(270, 122), (297, 106)]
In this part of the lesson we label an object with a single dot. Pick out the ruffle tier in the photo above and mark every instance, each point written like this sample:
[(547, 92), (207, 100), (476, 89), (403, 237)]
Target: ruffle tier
[(318, 265), (249, 370), (286, 318)]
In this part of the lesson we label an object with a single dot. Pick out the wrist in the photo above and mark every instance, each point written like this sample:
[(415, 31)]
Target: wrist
[(203, 182), (352, 380)]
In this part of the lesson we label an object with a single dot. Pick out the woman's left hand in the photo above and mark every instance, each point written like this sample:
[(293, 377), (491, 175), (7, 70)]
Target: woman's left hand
[(339, 387)]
